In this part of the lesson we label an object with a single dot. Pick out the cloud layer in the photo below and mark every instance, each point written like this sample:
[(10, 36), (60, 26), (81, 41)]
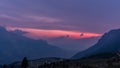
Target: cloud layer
[(79, 15), (49, 34)]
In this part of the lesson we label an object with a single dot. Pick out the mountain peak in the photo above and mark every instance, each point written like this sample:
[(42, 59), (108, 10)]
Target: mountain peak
[(2, 28)]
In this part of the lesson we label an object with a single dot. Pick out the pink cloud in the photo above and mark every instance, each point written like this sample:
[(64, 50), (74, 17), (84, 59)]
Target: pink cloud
[(46, 34)]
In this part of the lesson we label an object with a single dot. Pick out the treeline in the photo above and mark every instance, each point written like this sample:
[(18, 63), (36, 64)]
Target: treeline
[(24, 64), (66, 64), (113, 62)]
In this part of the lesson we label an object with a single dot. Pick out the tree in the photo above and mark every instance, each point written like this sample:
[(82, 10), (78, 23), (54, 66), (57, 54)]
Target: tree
[(4, 66), (11, 66), (24, 63)]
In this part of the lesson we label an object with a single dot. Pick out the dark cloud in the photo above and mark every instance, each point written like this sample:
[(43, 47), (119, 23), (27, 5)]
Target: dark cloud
[(82, 34)]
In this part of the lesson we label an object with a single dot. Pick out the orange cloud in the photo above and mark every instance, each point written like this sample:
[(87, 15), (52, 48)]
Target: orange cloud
[(43, 33)]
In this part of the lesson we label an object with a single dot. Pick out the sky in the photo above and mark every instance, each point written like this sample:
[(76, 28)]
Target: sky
[(75, 19)]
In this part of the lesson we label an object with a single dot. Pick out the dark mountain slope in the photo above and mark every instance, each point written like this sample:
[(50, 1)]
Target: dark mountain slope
[(109, 43), (14, 46)]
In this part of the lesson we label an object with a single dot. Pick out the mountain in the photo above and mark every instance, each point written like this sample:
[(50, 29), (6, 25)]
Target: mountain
[(108, 44), (14, 46)]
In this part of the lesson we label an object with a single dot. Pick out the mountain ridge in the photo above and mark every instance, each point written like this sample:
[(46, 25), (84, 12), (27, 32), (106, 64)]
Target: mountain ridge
[(16, 46), (109, 43)]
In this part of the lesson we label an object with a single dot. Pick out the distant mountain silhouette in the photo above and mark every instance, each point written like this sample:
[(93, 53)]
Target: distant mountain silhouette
[(14, 46), (109, 43)]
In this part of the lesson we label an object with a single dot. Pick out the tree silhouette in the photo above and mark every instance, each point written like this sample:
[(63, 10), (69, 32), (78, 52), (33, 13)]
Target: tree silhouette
[(4, 66), (24, 63), (11, 66)]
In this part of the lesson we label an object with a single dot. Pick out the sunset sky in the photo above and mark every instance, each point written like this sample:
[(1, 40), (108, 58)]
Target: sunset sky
[(76, 19)]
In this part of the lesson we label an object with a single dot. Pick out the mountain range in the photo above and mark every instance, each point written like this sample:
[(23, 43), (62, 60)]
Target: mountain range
[(108, 44), (14, 46)]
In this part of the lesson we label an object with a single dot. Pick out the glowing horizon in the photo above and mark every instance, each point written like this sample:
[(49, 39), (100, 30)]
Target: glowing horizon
[(46, 34)]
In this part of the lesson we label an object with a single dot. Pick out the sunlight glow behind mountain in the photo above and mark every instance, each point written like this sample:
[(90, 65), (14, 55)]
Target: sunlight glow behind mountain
[(46, 34)]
